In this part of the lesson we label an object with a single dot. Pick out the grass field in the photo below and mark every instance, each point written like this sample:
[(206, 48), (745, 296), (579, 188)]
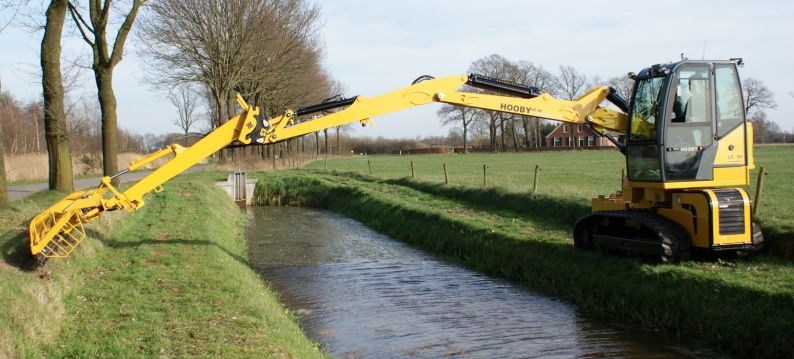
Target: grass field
[(170, 280), (511, 171), (741, 307), (577, 176)]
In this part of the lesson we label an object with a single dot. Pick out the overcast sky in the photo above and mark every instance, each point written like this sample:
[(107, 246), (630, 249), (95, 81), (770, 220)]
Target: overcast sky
[(374, 47)]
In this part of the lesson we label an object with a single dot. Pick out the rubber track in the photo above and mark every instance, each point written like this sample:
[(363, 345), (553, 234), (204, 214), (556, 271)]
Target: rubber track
[(672, 237)]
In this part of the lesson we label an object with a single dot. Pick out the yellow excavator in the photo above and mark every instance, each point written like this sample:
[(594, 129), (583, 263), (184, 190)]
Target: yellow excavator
[(688, 149)]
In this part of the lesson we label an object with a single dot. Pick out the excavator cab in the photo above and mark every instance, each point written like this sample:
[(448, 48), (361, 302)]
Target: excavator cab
[(688, 155), (686, 124)]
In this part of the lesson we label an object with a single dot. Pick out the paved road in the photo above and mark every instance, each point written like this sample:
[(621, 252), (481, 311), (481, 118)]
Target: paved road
[(24, 190)]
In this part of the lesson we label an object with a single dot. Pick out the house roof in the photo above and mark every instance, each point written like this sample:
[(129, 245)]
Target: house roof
[(613, 133)]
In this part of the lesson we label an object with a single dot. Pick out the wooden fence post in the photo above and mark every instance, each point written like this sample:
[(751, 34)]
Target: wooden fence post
[(325, 167), (484, 176), (759, 188), (413, 174), (535, 182), (369, 164), (446, 177)]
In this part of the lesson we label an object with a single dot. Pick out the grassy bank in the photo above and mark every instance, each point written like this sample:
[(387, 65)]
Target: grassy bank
[(577, 175), (740, 307), (171, 279)]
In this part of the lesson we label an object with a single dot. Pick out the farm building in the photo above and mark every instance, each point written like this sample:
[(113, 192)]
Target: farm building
[(569, 136)]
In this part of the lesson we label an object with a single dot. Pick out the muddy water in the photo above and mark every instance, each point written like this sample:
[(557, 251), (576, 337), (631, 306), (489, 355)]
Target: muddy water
[(361, 294)]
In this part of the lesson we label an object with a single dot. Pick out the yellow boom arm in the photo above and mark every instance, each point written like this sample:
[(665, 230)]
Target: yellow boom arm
[(58, 230), (584, 110)]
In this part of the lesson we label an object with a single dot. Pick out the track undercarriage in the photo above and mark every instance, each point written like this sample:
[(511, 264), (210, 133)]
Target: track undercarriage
[(636, 233)]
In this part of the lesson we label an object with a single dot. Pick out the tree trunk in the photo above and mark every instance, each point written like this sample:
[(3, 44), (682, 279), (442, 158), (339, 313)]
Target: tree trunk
[(537, 132), (37, 127), (338, 149), (325, 136), (219, 104), (502, 133), (525, 124), (465, 141), (60, 159), (107, 105), (3, 181), (515, 134), (492, 131), (317, 143)]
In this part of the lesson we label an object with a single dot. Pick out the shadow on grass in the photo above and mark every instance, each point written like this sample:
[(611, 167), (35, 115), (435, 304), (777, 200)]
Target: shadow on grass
[(779, 243), (16, 251), (548, 212), (177, 241)]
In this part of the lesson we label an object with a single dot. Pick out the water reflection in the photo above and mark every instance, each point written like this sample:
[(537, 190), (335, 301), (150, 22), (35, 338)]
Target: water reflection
[(361, 294)]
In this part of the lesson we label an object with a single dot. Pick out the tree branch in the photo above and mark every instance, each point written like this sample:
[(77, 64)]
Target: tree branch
[(80, 22), (124, 31)]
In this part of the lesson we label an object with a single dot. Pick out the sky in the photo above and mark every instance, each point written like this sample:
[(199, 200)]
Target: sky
[(373, 47)]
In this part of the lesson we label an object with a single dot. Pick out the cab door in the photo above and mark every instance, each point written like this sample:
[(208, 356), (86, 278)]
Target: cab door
[(688, 140)]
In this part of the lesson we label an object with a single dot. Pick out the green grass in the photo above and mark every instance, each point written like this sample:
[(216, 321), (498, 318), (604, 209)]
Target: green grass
[(577, 176), (511, 171), (741, 307), (170, 280)]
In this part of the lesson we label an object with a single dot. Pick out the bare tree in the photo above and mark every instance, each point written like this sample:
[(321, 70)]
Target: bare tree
[(458, 115), (60, 159), (9, 8), (532, 75), (624, 86), (495, 66), (338, 130), (94, 33), (233, 45), (571, 83), (763, 129), (185, 99), (757, 95)]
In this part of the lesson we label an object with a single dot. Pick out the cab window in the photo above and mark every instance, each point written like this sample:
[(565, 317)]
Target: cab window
[(645, 109), (692, 102), (729, 99)]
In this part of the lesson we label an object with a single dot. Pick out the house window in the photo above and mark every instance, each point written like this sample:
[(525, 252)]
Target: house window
[(590, 141), (581, 141), (557, 142), (578, 128), (570, 141), (564, 128)]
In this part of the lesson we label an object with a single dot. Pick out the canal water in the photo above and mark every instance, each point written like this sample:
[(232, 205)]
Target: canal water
[(360, 294)]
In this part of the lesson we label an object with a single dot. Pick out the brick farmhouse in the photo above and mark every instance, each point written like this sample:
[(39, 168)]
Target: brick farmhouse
[(567, 135)]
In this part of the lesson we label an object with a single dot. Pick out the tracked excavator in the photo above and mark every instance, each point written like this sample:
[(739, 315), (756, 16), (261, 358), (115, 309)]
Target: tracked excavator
[(687, 144)]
